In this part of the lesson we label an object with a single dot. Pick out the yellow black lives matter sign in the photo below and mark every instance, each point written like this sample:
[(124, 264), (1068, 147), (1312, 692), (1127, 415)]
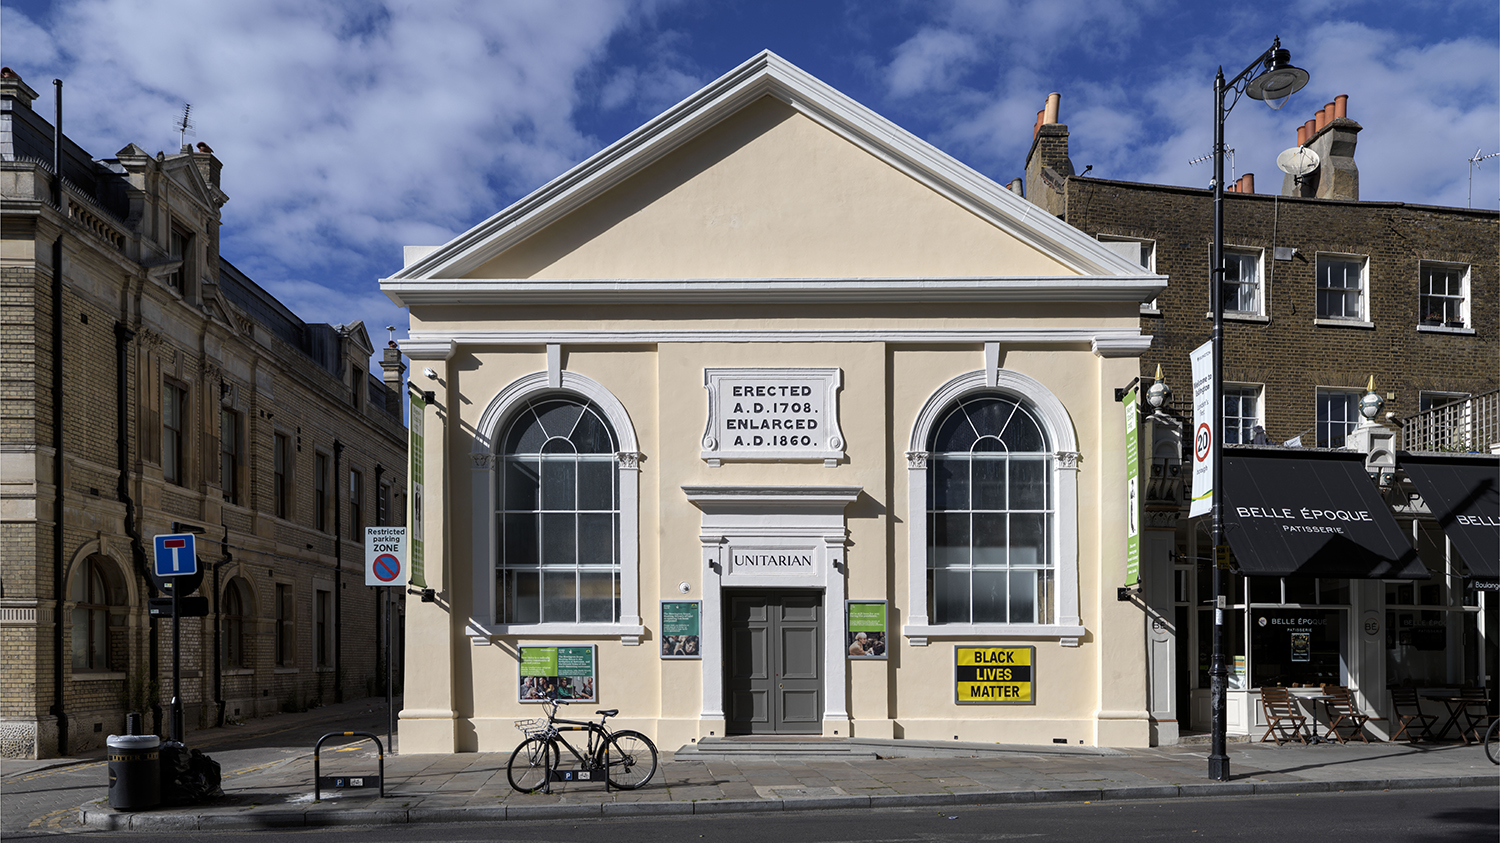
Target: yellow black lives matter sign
[(997, 675)]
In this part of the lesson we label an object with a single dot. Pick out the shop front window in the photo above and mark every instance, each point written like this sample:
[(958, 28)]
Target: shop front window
[(1431, 630), (1296, 647)]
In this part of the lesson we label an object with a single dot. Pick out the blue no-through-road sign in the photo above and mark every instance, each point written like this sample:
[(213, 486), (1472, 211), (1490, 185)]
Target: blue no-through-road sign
[(176, 555)]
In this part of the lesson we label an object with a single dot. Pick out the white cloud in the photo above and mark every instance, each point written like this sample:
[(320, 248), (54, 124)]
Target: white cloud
[(340, 124)]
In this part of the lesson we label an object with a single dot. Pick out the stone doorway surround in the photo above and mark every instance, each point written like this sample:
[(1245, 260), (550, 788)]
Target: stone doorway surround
[(742, 524)]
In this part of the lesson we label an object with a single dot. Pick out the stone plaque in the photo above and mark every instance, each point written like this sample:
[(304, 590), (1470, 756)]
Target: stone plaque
[(773, 414)]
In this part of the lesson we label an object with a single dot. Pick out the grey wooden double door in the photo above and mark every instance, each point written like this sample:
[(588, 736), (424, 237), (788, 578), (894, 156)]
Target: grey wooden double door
[(774, 680)]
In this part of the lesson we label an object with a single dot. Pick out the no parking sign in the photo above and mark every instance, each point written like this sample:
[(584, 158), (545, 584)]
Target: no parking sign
[(385, 556)]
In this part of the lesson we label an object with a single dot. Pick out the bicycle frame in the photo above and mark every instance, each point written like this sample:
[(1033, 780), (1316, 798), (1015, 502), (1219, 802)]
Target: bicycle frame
[(598, 741)]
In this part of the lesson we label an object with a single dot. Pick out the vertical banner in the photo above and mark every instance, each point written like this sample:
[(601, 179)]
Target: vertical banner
[(1132, 489), (1205, 432), (865, 624), (681, 629), (567, 673), (414, 494)]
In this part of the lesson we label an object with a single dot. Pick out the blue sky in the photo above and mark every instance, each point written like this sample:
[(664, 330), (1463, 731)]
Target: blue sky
[(350, 129)]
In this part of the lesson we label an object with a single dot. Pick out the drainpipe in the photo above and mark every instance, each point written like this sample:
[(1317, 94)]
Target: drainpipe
[(378, 593), (224, 557), (58, 561), (338, 575), (123, 336)]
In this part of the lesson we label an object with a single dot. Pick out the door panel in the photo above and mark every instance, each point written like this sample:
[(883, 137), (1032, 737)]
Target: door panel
[(774, 662)]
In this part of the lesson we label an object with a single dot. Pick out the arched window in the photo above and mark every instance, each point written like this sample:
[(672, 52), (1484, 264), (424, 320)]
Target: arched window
[(236, 618), (989, 515), (98, 597), (559, 515), (992, 491)]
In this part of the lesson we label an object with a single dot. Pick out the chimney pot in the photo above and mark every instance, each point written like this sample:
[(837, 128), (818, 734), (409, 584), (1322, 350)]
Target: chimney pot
[(1301, 135), (1341, 106), (1311, 127), (1247, 183), (1320, 120), (1054, 101), (1038, 127)]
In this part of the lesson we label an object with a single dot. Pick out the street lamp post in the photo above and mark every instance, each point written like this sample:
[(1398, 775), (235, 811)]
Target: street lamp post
[(1272, 79)]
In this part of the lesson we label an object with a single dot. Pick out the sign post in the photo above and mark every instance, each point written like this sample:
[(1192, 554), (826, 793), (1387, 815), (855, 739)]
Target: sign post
[(176, 556), (386, 565)]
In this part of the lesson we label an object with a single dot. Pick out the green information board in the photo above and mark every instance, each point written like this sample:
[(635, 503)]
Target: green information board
[(414, 494), (568, 673), (681, 629), (865, 629)]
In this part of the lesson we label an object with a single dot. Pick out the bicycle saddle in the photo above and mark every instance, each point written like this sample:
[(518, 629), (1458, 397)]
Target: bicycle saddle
[(608, 713)]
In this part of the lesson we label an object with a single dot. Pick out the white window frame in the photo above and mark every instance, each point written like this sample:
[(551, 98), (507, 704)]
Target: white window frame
[(1068, 627), (1259, 390), (1319, 422), (1362, 317), (482, 624), (1464, 298), (1258, 261)]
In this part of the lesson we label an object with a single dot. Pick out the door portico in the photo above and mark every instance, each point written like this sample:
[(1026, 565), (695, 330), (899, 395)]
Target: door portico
[(773, 537)]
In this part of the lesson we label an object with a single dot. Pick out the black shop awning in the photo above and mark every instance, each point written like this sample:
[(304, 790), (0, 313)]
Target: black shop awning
[(1463, 494), (1291, 512)]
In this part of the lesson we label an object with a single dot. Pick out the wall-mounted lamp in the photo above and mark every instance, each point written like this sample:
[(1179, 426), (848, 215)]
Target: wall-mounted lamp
[(431, 375)]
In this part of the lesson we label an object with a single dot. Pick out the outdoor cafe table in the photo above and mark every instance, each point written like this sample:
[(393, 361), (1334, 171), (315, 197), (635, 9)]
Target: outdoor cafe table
[(1454, 702)]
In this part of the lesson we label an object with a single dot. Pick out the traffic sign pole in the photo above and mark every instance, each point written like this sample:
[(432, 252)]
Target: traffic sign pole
[(176, 558)]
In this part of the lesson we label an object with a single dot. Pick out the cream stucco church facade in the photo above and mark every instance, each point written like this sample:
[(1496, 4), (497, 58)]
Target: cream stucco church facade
[(765, 365)]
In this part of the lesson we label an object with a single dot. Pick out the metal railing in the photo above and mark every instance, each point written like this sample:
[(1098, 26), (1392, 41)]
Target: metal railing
[(1469, 425)]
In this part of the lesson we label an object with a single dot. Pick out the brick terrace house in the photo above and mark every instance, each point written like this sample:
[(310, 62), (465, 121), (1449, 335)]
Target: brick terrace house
[(149, 384), (1322, 292)]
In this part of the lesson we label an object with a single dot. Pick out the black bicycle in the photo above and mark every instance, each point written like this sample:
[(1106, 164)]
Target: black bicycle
[(624, 759), (1492, 742)]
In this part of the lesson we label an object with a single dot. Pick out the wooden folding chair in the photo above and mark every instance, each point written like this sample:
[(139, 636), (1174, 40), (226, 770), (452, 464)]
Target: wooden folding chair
[(1343, 714), (1413, 723), (1284, 718), (1475, 715)]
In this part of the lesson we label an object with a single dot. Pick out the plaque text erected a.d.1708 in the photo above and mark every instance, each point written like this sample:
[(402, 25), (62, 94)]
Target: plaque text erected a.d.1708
[(773, 414)]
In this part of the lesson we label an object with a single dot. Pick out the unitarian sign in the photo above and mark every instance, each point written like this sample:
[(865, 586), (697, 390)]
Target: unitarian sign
[(773, 414)]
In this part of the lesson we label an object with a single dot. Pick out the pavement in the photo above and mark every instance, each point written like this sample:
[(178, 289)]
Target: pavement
[(736, 775)]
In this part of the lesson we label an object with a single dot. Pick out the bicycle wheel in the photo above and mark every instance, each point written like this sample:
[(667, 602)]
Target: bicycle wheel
[(529, 764), (631, 759), (1492, 743)]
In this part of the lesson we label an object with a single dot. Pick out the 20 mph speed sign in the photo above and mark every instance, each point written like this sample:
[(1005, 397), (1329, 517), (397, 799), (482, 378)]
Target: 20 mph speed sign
[(385, 556)]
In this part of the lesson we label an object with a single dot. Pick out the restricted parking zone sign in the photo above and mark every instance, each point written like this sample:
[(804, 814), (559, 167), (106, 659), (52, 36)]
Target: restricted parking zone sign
[(385, 556)]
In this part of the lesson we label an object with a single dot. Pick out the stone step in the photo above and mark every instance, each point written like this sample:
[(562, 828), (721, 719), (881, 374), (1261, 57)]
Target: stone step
[(775, 749)]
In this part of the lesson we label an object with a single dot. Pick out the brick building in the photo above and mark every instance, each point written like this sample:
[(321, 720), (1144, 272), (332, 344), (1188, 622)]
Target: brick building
[(1322, 292), (150, 387)]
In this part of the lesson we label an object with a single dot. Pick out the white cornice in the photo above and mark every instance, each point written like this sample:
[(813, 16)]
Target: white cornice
[(1095, 338), (428, 348), (763, 75), (1070, 288)]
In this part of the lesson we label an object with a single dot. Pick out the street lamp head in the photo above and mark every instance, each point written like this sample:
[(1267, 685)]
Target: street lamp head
[(1280, 80)]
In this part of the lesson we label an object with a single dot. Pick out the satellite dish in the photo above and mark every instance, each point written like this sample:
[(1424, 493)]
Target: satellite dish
[(1297, 161)]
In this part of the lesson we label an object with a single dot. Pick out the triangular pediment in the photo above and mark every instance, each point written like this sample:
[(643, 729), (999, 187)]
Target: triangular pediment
[(767, 173)]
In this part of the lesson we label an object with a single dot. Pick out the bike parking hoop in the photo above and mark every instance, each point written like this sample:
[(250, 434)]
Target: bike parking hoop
[(343, 782)]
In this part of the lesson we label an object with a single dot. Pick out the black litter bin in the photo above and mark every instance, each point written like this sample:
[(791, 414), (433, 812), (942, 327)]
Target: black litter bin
[(134, 772)]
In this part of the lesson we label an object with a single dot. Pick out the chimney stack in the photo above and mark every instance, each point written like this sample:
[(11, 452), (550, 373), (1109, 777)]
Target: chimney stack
[(1047, 164), (1333, 136)]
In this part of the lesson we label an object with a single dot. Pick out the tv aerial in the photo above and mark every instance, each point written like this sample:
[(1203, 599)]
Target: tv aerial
[(184, 126), (1474, 162), (1297, 162), (1201, 159)]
